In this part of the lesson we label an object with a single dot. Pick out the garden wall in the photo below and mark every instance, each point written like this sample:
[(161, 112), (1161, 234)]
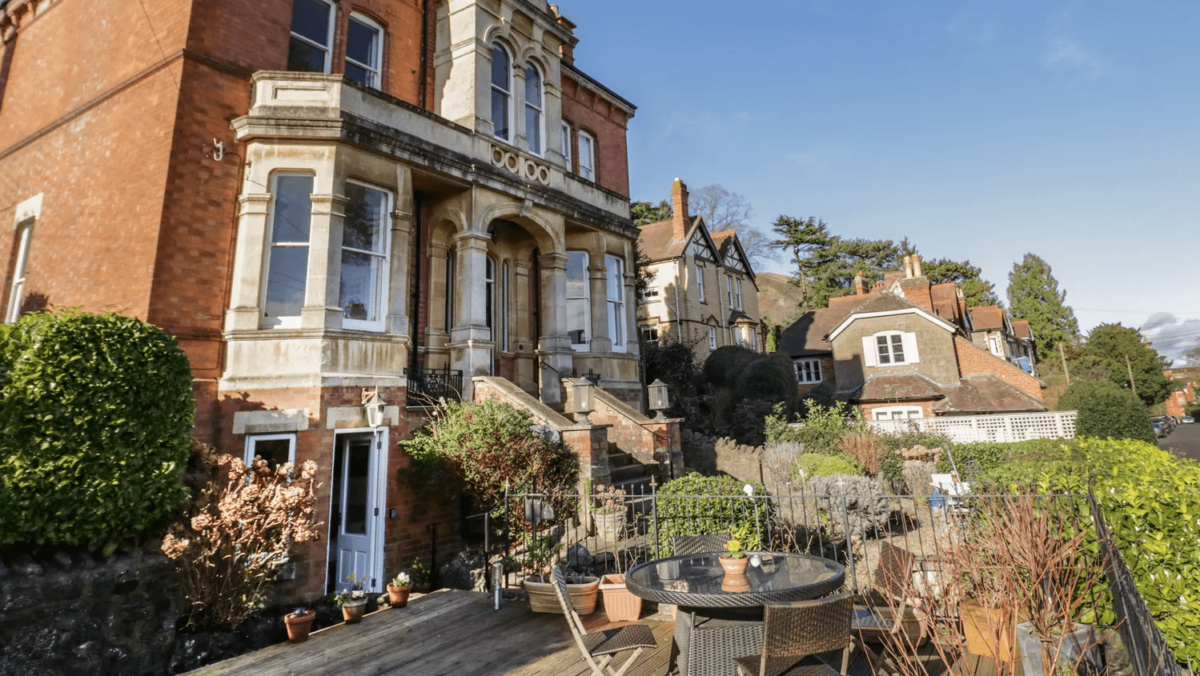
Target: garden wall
[(76, 615)]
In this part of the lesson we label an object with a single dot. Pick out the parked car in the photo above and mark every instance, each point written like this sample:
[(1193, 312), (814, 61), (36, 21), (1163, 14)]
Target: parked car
[(1187, 420), (1166, 423), (1160, 429)]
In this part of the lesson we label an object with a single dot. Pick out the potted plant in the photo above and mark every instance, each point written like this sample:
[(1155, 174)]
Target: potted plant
[(987, 629), (299, 623), (539, 555), (398, 590), (609, 513), (620, 604), (420, 577), (353, 601), (735, 560)]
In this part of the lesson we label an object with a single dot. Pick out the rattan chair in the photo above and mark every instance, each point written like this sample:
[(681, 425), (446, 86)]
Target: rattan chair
[(700, 544), (897, 621), (600, 647), (794, 633)]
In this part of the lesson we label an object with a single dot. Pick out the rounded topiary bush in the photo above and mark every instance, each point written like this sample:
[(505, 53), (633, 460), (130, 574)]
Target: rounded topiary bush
[(726, 364), (95, 429), (1107, 410), (810, 465), (695, 504)]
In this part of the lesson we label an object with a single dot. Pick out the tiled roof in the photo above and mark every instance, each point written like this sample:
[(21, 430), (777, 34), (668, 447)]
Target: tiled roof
[(987, 317), (658, 243), (986, 394), (884, 302), (1021, 328), (898, 388), (806, 335)]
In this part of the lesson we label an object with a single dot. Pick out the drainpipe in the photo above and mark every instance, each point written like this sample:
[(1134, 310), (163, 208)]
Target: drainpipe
[(424, 83)]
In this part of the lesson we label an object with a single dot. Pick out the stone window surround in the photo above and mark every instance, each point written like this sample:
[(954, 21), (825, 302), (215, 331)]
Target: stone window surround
[(26, 216)]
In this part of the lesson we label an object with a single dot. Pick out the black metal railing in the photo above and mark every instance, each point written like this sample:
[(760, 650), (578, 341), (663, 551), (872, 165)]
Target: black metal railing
[(426, 386)]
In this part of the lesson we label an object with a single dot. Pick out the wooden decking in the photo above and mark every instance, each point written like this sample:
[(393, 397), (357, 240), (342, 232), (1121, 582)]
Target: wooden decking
[(453, 633)]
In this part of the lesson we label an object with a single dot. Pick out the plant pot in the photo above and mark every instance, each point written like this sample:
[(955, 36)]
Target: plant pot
[(352, 611), (620, 604), (735, 566), (398, 596), (981, 638), (298, 627), (609, 527), (1077, 647), (583, 593)]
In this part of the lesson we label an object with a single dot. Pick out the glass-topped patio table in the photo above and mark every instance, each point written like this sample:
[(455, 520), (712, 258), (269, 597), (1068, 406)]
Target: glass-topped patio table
[(719, 618)]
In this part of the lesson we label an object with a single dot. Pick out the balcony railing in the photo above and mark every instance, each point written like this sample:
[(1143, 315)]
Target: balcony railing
[(426, 386)]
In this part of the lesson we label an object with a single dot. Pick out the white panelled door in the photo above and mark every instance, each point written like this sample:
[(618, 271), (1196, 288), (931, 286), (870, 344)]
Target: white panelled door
[(356, 501)]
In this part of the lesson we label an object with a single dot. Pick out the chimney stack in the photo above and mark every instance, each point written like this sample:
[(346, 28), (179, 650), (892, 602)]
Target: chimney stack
[(679, 204), (908, 267), (567, 49), (860, 284), (916, 264)]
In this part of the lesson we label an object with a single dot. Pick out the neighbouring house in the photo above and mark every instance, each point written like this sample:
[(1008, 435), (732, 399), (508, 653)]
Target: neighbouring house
[(702, 290), (327, 201), (901, 350), (1180, 400), (1012, 340)]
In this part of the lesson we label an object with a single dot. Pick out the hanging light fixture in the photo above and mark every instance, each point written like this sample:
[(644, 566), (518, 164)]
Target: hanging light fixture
[(659, 399)]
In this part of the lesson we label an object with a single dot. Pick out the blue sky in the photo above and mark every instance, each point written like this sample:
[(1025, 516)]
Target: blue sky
[(980, 130)]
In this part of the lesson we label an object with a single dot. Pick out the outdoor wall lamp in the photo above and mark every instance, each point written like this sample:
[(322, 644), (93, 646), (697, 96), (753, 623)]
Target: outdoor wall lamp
[(659, 400), (374, 406), (585, 394)]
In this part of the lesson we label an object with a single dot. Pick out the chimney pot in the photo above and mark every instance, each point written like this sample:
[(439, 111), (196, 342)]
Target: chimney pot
[(679, 209), (908, 267), (916, 264)]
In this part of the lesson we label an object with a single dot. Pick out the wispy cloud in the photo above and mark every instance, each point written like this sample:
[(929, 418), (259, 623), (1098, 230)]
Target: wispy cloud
[(1172, 337), (1065, 52)]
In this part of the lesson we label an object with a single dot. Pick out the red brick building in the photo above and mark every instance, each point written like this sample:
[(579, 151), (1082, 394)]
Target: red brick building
[(322, 197)]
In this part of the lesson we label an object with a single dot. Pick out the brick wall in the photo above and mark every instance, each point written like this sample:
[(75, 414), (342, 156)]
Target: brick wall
[(586, 111), (973, 361)]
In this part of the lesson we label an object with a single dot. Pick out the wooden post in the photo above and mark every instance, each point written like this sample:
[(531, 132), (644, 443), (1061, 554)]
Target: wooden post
[(1130, 369), (1062, 353)]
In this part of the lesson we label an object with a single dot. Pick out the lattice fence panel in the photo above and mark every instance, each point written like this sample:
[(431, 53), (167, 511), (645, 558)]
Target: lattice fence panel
[(988, 428)]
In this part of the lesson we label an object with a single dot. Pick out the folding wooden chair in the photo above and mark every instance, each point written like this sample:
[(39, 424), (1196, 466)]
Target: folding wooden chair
[(600, 647)]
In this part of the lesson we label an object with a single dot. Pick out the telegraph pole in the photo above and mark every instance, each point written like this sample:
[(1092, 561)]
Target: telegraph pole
[(1062, 353), (1130, 369)]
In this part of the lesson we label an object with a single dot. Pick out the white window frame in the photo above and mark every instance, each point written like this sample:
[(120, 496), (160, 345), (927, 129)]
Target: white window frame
[(712, 337), (24, 239), (290, 321), (738, 288), (892, 411), (994, 345), (729, 289), (700, 282), (374, 69), (539, 108), (252, 443), (645, 331), (615, 293), (489, 296), (587, 170), (586, 345), (385, 267), (566, 144), (328, 47), (808, 371), (508, 95), (908, 345)]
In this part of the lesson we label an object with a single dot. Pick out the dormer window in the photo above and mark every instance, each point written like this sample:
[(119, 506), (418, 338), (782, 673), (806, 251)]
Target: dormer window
[(890, 348), (533, 109), (364, 40), (501, 93)]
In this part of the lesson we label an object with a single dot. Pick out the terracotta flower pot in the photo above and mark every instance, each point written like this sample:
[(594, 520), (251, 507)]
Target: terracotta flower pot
[(298, 627), (398, 596), (735, 566), (981, 636), (583, 592), (620, 604), (735, 584), (352, 611)]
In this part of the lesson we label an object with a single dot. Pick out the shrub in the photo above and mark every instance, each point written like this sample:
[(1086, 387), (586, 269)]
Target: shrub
[(1107, 410), (95, 426), (866, 448), (1152, 503), (823, 427), (744, 387), (487, 447), (681, 513), (725, 365), (811, 465), (991, 455), (235, 532)]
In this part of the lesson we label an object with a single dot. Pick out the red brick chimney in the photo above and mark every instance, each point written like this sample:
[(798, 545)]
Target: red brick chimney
[(860, 284), (680, 218)]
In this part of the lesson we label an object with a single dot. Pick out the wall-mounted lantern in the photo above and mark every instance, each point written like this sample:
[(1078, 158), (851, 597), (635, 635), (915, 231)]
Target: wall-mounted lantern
[(585, 394), (659, 400), (374, 406)]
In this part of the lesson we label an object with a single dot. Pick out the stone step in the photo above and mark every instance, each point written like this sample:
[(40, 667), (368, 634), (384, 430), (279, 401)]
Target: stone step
[(624, 472)]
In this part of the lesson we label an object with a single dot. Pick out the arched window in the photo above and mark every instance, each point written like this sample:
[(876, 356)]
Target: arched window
[(501, 93), (533, 109)]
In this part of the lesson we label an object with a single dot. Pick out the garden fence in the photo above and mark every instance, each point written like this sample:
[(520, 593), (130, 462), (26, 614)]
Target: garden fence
[(1008, 428)]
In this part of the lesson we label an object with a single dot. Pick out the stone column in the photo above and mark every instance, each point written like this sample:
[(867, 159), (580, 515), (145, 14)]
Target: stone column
[(402, 225), (631, 326), (470, 340), (322, 292), (520, 139), (244, 313), (600, 342), (436, 335), (554, 346), (522, 314)]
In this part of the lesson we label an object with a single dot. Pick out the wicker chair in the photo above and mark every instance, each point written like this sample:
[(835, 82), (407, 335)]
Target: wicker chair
[(794, 633), (897, 621), (700, 544), (600, 647)]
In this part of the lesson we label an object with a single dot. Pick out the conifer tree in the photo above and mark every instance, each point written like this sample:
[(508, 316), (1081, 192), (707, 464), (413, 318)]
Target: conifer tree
[(1033, 294)]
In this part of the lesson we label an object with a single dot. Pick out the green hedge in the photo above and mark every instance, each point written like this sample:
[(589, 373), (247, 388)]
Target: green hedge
[(814, 464), (95, 429), (1152, 503), (679, 514), (1107, 410)]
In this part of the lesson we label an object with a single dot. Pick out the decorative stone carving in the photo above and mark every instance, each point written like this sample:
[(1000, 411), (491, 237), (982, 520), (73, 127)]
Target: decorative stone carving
[(524, 167)]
